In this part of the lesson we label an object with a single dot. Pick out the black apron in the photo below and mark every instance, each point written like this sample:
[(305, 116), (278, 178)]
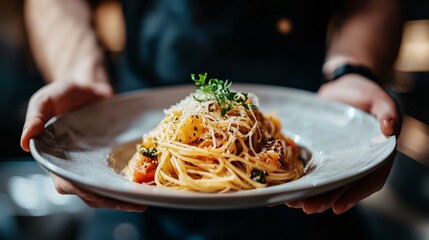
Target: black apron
[(168, 40), (243, 41)]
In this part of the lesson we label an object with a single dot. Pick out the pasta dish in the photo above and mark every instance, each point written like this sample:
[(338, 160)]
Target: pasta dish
[(215, 140)]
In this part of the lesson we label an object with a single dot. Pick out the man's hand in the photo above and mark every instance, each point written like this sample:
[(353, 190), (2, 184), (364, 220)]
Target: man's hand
[(93, 200), (56, 98), (360, 92)]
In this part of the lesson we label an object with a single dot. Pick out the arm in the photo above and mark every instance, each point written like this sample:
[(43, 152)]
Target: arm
[(63, 41), (65, 48), (365, 33)]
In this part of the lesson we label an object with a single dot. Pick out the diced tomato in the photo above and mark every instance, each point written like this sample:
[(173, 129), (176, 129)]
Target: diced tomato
[(290, 142), (145, 170), (271, 158)]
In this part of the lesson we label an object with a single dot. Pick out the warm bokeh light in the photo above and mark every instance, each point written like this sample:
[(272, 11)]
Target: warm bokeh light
[(284, 25), (414, 140), (414, 52), (110, 25)]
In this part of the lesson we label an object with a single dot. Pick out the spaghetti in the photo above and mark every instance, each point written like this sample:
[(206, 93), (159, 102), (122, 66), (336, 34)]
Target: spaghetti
[(199, 146)]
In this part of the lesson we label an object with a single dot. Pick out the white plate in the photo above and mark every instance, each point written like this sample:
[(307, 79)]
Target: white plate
[(346, 144)]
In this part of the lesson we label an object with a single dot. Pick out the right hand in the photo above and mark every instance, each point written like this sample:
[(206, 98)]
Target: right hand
[(93, 200), (56, 98), (364, 94)]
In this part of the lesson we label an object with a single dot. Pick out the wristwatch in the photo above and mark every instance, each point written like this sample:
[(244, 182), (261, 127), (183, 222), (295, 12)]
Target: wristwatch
[(352, 69)]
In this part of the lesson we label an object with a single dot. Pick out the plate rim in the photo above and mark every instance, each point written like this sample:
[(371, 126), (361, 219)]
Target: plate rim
[(89, 183)]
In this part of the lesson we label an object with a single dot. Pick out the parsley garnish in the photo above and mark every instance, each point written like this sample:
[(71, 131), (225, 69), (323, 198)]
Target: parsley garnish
[(219, 91), (258, 175), (148, 152)]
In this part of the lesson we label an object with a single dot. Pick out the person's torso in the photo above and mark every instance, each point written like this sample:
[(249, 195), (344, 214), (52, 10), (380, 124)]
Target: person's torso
[(276, 42)]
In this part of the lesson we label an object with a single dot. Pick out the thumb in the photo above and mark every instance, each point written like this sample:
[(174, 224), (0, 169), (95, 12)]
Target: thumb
[(56, 98), (385, 109), (102, 89)]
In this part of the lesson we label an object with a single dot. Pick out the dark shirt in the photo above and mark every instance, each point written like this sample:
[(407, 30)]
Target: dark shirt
[(239, 40), (168, 40)]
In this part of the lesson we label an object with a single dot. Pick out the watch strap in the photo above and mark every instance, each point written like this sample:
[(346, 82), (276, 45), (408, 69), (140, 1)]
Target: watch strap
[(353, 69)]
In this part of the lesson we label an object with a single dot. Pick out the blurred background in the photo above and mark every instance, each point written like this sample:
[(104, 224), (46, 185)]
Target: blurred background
[(31, 209)]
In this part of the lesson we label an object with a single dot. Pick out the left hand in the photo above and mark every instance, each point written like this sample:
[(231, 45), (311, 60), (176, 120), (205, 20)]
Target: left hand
[(91, 199), (362, 93)]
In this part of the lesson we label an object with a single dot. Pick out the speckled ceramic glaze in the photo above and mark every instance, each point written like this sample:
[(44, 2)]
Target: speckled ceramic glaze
[(90, 146)]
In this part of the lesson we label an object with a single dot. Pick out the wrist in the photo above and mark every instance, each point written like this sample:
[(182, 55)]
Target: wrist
[(86, 71), (348, 68)]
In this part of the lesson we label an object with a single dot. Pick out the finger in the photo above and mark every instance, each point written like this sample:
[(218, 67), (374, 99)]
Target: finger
[(322, 202), (55, 99), (91, 199), (104, 90), (72, 95), (294, 204), (65, 97), (109, 203), (348, 91), (62, 186), (65, 187), (363, 188), (40, 109), (384, 108), (275, 204), (33, 127)]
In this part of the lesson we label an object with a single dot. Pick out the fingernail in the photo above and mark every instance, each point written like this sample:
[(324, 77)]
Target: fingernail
[(274, 204), (321, 208), (349, 206), (343, 210), (24, 131), (389, 127), (391, 122), (295, 204), (308, 211)]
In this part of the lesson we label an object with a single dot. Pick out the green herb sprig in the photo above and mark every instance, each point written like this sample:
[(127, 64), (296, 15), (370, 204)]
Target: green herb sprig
[(258, 175), (218, 90), (148, 152)]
